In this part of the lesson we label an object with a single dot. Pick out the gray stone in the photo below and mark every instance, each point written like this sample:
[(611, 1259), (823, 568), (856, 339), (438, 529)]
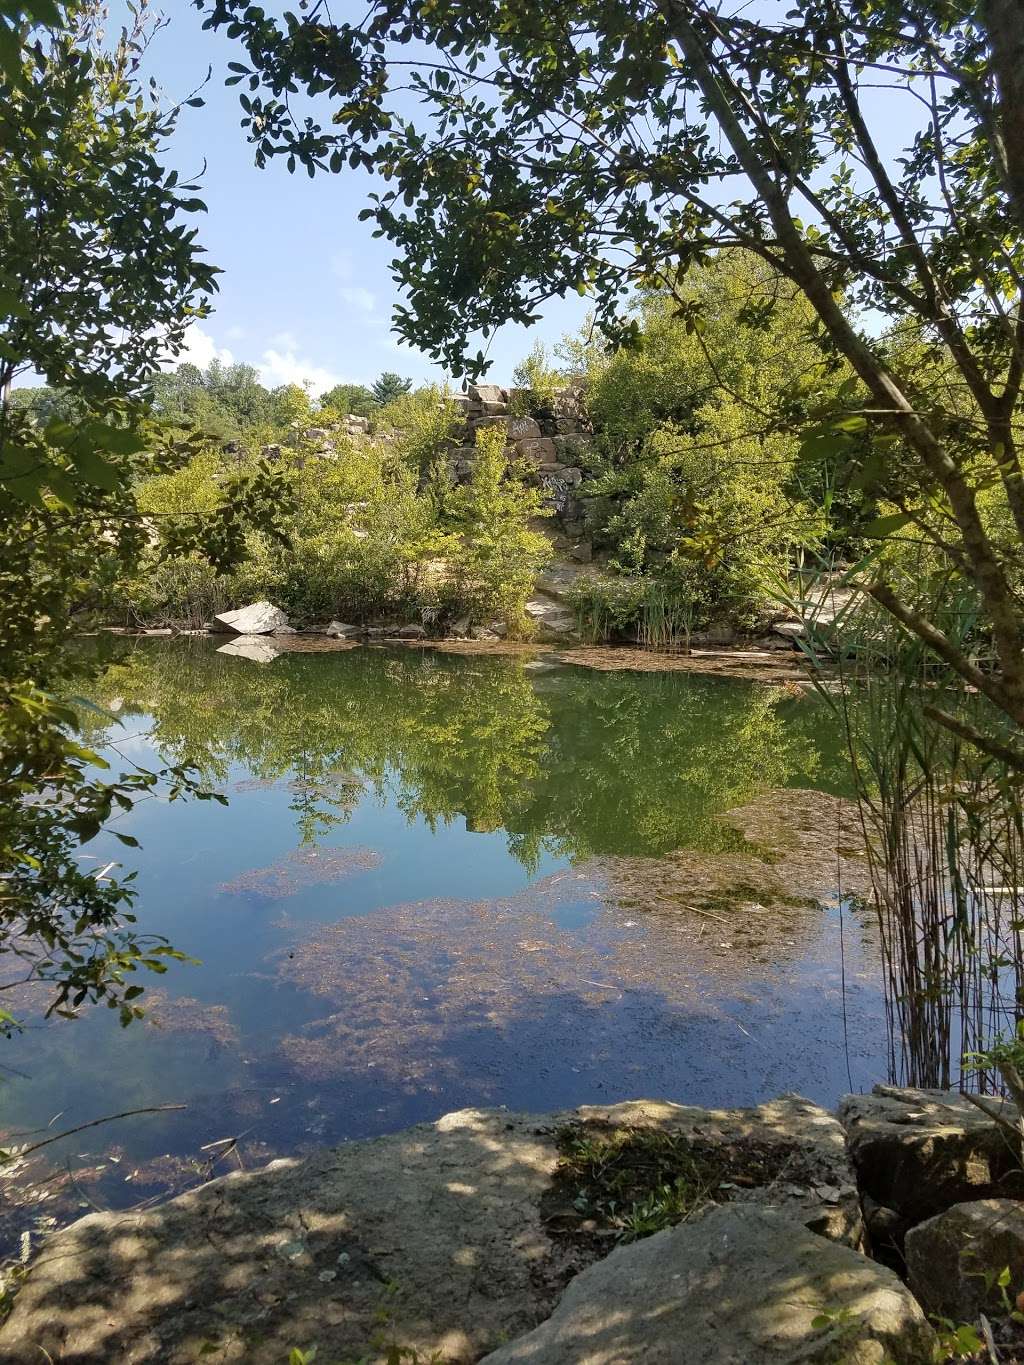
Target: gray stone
[(717, 634), (919, 1151), (316, 435), (461, 626), (582, 553), (258, 648), (341, 630), (551, 620), (790, 630), (259, 618), (284, 630), (954, 1258), (740, 1286), (411, 632), (540, 451), (300, 1252), (488, 393), (523, 429), (475, 424), (270, 452)]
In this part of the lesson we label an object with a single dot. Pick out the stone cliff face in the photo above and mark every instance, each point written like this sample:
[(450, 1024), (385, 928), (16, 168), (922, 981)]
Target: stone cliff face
[(551, 439)]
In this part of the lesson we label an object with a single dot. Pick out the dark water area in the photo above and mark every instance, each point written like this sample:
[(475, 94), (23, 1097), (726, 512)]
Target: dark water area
[(446, 881)]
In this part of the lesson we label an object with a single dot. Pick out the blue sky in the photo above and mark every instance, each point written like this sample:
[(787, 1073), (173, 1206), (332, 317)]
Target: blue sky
[(306, 293)]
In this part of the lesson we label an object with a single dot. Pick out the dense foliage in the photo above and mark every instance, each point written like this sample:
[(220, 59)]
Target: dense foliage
[(100, 274), (375, 531), (582, 147)]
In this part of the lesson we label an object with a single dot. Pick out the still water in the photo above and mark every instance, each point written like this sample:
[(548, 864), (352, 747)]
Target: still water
[(444, 881)]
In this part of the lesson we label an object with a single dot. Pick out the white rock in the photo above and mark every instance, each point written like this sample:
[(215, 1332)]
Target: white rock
[(259, 618)]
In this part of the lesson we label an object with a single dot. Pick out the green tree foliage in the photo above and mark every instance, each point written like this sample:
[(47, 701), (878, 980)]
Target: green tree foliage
[(388, 387), (100, 275), (424, 423), (500, 555), (344, 399), (591, 142), (375, 533), (227, 401)]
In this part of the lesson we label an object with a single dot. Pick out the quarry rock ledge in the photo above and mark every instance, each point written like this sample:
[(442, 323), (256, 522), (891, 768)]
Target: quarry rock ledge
[(440, 1227)]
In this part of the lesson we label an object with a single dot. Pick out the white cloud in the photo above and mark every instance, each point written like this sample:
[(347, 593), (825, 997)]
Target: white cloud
[(201, 349), (360, 299), (287, 367), (235, 333)]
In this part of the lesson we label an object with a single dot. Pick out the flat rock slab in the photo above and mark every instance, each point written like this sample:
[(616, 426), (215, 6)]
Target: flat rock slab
[(919, 1151), (737, 1287), (432, 1238)]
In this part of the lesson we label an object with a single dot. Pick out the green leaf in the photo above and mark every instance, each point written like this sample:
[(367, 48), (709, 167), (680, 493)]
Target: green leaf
[(885, 526), (96, 470)]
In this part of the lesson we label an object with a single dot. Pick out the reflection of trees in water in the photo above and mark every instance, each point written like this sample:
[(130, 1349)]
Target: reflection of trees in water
[(583, 763)]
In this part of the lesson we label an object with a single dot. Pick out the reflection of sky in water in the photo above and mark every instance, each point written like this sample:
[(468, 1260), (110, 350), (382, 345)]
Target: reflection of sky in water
[(414, 965)]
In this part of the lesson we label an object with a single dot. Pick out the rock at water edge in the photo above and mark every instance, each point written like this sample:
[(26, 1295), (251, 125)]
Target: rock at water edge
[(259, 618), (919, 1151), (739, 1284)]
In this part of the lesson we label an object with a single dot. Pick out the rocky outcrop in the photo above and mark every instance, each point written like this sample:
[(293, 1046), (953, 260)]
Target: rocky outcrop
[(920, 1151), (737, 1285), (303, 1252), (550, 439), (953, 1259), (259, 618), (551, 621)]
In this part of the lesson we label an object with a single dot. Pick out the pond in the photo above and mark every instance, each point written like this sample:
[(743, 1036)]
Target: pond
[(446, 881)]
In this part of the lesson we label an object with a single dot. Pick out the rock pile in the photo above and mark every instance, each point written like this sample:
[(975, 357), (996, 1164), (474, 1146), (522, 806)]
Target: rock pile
[(551, 437)]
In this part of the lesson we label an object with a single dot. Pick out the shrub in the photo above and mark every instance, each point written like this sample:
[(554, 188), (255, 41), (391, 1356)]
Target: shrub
[(499, 556)]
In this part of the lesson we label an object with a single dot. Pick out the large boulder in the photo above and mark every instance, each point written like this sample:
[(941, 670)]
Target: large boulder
[(259, 618), (301, 1252), (953, 1259), (538, 451), (488, 393), (523, 429), (738, 1286), (919, 1151)]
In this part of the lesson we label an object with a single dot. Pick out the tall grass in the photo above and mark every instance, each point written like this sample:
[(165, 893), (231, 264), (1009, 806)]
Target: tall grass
[(645, 609), (944, 833)]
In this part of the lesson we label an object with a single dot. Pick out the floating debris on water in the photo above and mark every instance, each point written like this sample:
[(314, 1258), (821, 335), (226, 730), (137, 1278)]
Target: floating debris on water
[(303, 868)]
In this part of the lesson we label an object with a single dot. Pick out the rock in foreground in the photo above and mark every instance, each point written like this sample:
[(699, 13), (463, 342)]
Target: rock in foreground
[(738, 1285), (953, 1259), (919, 1151), (259, 618), (438, 1232)]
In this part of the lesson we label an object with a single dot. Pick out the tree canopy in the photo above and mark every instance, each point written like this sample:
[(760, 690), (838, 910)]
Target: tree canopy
[(871, 153)]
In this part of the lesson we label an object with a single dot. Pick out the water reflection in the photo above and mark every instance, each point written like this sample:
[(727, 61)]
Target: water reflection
[(448, 881)]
